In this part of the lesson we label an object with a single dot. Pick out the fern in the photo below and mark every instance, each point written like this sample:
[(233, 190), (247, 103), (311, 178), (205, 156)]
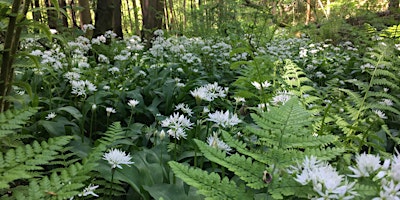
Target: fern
[(69, 177), (13, 119), (360, 123), (210, 184), (284, 135), (27, 161), (236, 163)]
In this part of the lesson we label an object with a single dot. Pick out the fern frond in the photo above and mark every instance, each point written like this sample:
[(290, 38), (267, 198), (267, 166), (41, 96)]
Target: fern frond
[(384, 82), (209, 184), (15, 119), (24, 161), (236, 163), (286, 119)]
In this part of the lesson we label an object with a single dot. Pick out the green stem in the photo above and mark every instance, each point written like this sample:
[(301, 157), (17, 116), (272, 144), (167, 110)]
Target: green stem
[(112, 181)]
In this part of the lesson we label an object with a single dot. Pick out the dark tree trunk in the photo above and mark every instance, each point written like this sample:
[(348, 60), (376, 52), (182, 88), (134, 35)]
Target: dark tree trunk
[(51, 15), (104, 17), (37, 15), (153, 13), (64, 20), (117, 20)]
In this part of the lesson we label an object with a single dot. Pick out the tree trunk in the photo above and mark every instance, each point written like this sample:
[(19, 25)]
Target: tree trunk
[(130, 17), (308, 12), (51, 15), (64, 20), (85, 15), (153, 13), (104, 17), (37, 15), (136, 16), (117, 19), (10, 48)]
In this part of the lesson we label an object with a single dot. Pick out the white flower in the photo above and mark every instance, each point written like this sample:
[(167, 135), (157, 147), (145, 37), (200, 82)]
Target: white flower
[(133, 102), (209, 92), (386, 102), (51, 116), (184, 108), (239, 99), (224, 119), (281, 97), (177, 125), (259, 86), (325, 180), (94, 107), (215, 142), (89, 190), (110, 110), (380, 114), (117, 157), (320, 74), (366, 165)]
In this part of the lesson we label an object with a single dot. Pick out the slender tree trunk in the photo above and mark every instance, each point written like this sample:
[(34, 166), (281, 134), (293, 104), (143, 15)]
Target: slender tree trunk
[(73, 13), (51, 15), (136, 16), (37, 15), (63, 5), (11, 44), (308, 12), (85, 16), (117, 19), (130, 17)]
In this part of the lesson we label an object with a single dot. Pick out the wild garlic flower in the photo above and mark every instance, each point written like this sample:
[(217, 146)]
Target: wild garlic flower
[(51, 116), (325, 180), (89, 190), (262, 85), (110, 110), (132, 103), (224, 119), (209, 92), (215, 142), (367, 164), (380, 114), (86, 27), (281, 98), (177, 125), (116, 158), (184, 108)]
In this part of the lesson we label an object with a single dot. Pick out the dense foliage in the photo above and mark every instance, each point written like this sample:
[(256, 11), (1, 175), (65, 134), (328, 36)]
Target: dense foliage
[(261, 115)]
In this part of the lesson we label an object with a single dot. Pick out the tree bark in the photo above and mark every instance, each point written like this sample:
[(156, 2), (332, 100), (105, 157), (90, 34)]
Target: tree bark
[(51, 15), (136, 16), (104, 17), (85, 15), (64, 20), (153, 13)]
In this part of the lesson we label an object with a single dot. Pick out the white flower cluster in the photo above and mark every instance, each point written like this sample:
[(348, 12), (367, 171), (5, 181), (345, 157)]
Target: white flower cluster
[(215, 142), (387, 173), (184, 108), (177, 124), (116, 158), (224, 119), (328, 184), (325, 180), (281, 98), (209, 92)]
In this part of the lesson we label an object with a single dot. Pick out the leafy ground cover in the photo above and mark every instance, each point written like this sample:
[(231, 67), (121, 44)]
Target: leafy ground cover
[(196, 118)]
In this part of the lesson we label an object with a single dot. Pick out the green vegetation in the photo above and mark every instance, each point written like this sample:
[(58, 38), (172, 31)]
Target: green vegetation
[(231, 100)]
